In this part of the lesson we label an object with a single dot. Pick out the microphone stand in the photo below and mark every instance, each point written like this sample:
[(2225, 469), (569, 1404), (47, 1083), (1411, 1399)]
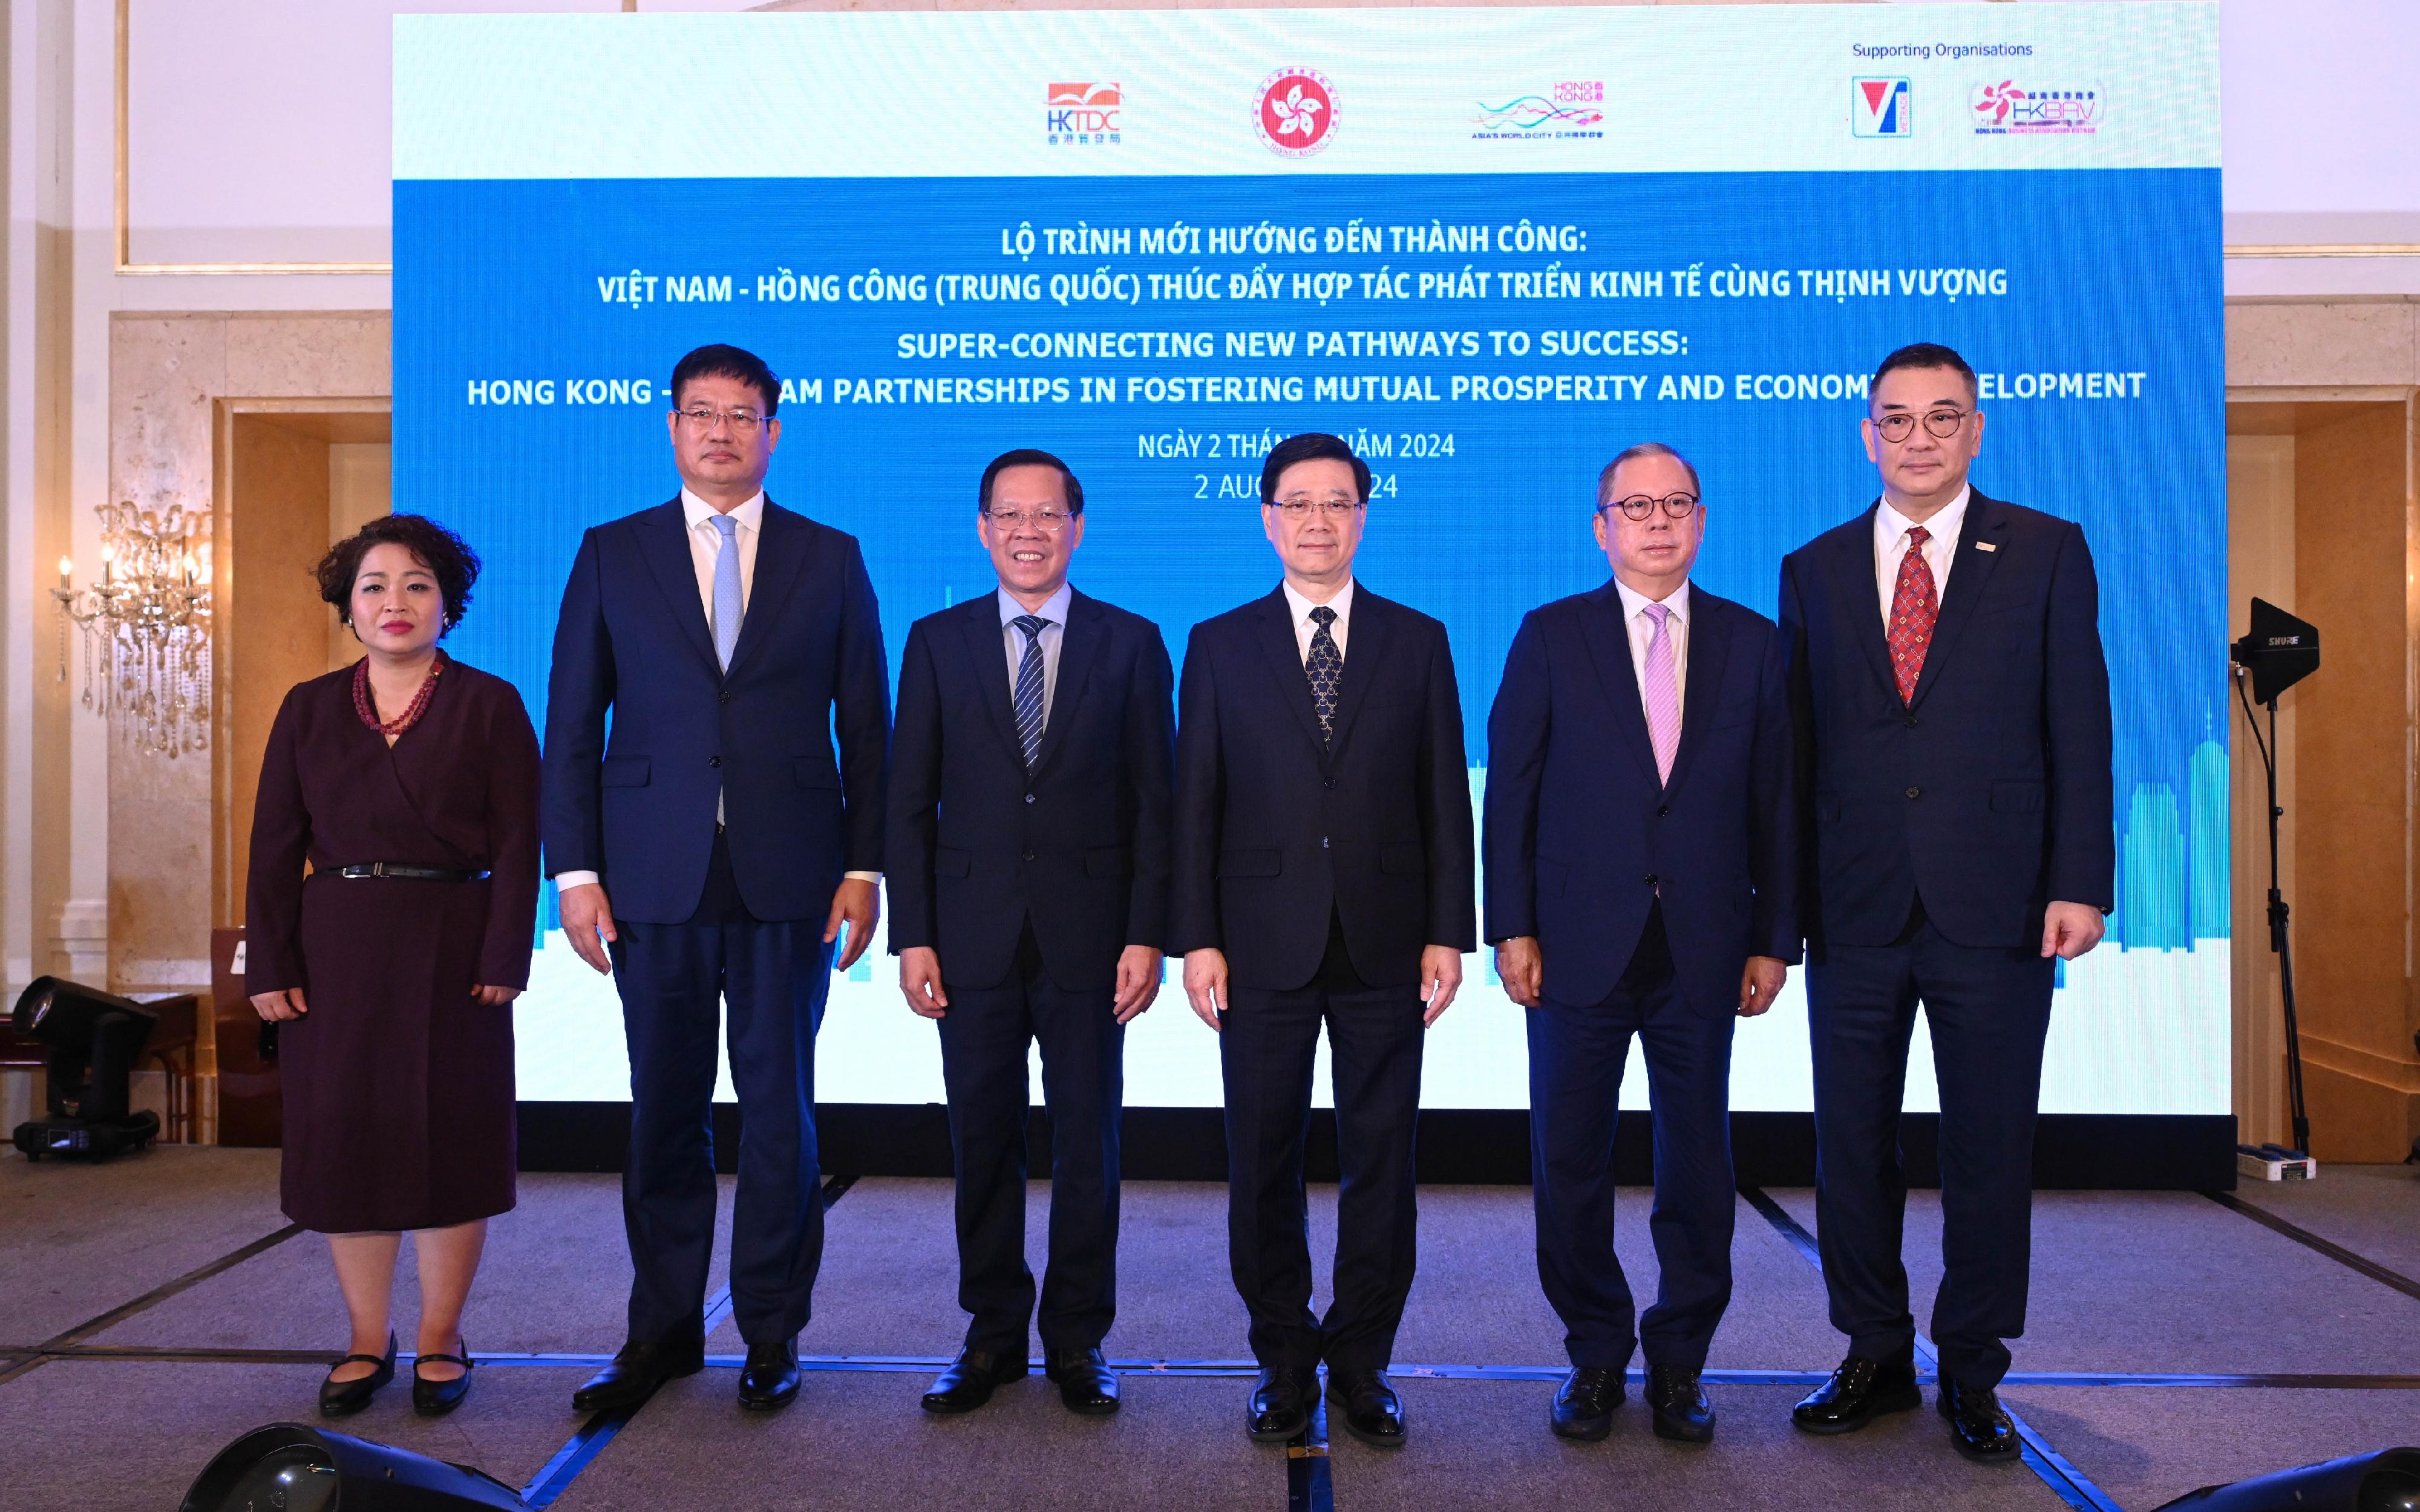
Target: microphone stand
[(2280, 938)]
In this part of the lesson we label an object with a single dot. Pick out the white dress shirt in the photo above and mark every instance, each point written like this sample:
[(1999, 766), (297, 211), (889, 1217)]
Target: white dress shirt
[(1940, 550), (704, 554), (1304, 625), (1641, 627), (1013, 640)]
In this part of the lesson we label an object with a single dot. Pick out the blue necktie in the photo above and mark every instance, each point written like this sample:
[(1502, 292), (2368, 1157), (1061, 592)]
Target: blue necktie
[(726, 591), (1028, 686)]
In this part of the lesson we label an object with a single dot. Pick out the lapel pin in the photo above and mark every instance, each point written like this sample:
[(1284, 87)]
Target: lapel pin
[(1987, 546)]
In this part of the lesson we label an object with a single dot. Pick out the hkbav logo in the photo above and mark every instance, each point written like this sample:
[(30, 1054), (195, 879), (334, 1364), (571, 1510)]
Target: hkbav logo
[(1296, 112), (1085, 114), (1569, 108), (1881, 107), (2004, 108)]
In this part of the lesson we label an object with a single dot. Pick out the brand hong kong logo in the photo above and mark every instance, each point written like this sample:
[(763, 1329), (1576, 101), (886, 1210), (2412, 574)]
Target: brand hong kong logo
[(1296, 113), (1571, 108), (1085, 114), (1881, 107), (2004, 108)]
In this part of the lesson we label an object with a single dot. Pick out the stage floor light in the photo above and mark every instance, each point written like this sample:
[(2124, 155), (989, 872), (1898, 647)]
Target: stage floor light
[(291, 1466), (2386, 1481)]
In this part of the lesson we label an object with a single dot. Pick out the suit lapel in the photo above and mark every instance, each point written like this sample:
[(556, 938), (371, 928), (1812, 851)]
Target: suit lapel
[(1852, 574), (1080, 647), (979, 624), (781, 555), (663, 540), (1710, 650), (1986, 523), (1368, 636), (1609, 643), (1274, 631)]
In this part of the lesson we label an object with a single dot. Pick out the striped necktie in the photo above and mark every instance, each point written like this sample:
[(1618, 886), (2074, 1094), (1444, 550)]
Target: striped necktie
[(1028, 686)]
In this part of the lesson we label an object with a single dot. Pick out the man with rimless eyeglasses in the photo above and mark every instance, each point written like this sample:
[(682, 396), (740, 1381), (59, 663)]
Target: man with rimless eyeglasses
[(714, 850), (1641, 881), (1953, 710), (1323, 876), (1028, 844)]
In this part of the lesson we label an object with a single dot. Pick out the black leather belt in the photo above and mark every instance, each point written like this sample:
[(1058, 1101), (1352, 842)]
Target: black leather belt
[(411, 873)]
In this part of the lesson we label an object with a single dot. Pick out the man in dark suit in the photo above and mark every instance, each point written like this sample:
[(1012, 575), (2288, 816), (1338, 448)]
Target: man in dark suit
[(1640, 880), (1952, 710), (1029, 894), (1323, 875), (726, 635)]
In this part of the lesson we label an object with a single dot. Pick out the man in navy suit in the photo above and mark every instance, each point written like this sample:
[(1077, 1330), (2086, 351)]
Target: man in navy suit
[(726, 635), (1952, 708), (1640, 881), (1322, 875), (1029, 892)]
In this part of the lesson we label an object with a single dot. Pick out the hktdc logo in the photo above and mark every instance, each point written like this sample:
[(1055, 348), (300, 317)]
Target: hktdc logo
[(1296, 113), (1881, 107), (1084, 114)]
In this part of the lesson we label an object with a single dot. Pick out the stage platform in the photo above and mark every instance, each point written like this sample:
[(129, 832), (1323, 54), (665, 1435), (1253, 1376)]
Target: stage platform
[(152, 1309)]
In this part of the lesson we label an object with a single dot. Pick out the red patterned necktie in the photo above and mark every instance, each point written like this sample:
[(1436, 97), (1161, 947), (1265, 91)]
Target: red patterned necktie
[(1915, 606)]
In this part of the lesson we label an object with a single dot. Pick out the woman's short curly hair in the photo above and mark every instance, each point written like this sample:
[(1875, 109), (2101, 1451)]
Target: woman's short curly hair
[(446, 555)]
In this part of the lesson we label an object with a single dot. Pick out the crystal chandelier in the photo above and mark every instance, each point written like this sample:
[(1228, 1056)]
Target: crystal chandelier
[(146, 627)]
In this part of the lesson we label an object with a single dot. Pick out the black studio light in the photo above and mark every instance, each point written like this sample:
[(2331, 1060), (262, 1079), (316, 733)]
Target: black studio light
[(2387, 1481), (286, 1467), (90, 1039)]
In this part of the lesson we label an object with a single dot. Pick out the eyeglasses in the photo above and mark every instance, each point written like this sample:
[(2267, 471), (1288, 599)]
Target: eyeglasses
[(742, 422), (1299, 507), (1638, 505), (1048, 521), (1899, 426)]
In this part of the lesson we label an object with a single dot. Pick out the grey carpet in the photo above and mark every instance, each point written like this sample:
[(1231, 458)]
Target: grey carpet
[(78, 1240), (2147, 1446), (2371, 1210), (2172, 1281), (123, 1436)]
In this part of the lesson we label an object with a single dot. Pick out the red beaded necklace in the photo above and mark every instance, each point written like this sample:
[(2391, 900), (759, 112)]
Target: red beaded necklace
[(410, 715)]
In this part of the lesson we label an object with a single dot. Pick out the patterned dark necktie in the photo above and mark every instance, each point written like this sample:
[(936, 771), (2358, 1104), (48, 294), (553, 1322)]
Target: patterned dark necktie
[(1915, 606), (1325, 667), (1028, 687)]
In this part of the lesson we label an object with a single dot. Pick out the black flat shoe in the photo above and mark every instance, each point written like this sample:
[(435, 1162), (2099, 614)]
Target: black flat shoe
[(1281, 1404), (435, 1399), (770, 1379), (1979, 1425), (1086, 1383), (634, 1374), (343, 1399), (1859, 1392), (1373, 1412), (972, 1379), (1584, 1404), (1678, 1397)]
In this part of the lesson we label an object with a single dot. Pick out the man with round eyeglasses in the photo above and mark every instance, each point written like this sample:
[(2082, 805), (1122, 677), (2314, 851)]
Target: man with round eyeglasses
[(1954, 765), (1641, 877)]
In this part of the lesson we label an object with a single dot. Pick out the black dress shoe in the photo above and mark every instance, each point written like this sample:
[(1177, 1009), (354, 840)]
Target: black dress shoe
[(770, 1379), (1979, 1425), (634, 1374), (1859, 1392), (435, 1399), (343, 1399), (1373, 1412), (1086, 1382), (1678, 1397), (1281, 1406), (973, 1378), (1584, 1404)]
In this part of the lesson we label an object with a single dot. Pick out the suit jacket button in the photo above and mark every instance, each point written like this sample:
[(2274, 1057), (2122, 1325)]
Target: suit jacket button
[(1913, 721), (1323, 843), (1916, 792), (724, 697), (1029, 798), (1649, 879), (1328, 782), (1029, 853), (1663, 811), (714, 760)]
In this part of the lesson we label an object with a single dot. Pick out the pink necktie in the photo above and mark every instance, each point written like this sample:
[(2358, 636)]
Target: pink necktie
[(1663, 692)]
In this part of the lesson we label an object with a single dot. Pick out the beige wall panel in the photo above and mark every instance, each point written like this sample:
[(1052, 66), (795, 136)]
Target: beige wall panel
[(347, 353), (2260, 560), (360, 476), (2296, 345)]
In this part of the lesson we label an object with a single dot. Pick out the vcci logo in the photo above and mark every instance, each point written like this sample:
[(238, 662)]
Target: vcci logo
[(1881, 107), (2006, 109), (1296, 112), (1085, 114)]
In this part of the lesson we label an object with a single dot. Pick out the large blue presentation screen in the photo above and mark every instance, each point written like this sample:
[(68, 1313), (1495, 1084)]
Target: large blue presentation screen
[(1489, 248)]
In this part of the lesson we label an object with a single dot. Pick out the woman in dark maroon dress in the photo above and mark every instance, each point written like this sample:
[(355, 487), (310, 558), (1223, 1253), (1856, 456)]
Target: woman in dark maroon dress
[(410, 782)]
